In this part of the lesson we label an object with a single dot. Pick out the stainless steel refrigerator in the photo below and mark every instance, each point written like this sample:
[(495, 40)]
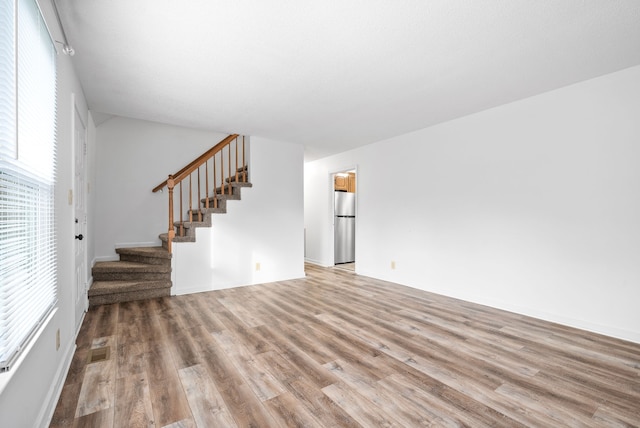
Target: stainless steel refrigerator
[(345, 227)]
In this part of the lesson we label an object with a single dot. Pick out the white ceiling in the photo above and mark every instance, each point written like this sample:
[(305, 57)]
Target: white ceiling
[(336, 74)]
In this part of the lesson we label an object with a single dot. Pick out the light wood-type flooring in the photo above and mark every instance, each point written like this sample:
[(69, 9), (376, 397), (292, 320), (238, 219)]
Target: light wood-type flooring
[(340, 350)]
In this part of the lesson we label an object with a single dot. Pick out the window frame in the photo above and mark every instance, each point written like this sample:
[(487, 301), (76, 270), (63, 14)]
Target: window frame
[(28, 253)]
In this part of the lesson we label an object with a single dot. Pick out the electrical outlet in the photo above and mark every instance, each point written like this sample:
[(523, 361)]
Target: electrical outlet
[(393, 264), (257, 266), (57, 339)]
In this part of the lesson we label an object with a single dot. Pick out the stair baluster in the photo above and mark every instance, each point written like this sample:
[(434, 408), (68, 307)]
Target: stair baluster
[(206, 185), (215, 185)]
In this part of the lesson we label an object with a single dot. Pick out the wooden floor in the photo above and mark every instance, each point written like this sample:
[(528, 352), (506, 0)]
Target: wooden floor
[(341, 350)]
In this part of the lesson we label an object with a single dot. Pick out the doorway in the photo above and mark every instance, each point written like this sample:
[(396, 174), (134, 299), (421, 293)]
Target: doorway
[(344, 220)]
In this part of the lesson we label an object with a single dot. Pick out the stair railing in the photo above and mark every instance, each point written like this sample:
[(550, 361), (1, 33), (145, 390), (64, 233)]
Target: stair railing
[(222, 170)]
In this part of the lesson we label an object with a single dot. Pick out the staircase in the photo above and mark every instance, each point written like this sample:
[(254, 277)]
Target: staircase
[(185, 230), (141, 273), (145, 272)]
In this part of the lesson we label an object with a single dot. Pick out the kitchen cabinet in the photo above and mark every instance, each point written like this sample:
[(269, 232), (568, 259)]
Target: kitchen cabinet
[(341, 183), (345, 183), (351, 183)]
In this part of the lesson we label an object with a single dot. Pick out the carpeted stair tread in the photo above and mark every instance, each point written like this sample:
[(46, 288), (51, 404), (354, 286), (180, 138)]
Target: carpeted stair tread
[(109, 292), (109, 287), (235, 183), (155, 252), (126, 266), (164, 238)]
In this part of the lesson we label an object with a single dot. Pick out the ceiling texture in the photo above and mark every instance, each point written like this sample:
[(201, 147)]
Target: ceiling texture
[(337, 74)]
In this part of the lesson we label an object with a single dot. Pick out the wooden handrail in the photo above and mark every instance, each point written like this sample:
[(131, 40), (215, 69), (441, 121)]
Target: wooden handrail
[(193, 165)]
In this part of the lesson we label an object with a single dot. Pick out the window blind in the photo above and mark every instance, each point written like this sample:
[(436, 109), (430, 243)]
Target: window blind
[(27, 176)]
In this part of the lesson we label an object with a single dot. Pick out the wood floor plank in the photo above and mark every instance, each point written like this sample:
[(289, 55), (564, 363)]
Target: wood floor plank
[(107, 322), (133, 407), (98, 388), (101, 418), (167, 395), (427, 406), (204, 310), (544, 405), (289, 412), (239, 309), (247, 336), (184, 423), (204, 399), (169, 400), (607, 416), (130, 358), (264, 385), (78, 366), (359, 408), (338, 349), (325, 410), (299, 361), (65, 411), (184, 349), (158, 361), (389, 403)]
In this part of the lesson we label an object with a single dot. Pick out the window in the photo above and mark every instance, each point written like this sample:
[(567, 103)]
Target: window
[(27, 175)]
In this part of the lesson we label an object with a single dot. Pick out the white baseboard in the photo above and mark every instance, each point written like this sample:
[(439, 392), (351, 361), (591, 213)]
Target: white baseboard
[(137, 244), (106, 259), (316, 262), (178, 291), (46, 413)]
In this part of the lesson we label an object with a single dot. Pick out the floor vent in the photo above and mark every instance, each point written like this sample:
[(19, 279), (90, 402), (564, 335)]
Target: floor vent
[(98, 354)]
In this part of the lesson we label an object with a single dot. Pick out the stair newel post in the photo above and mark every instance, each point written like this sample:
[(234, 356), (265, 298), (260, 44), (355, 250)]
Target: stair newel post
[(171, 232)]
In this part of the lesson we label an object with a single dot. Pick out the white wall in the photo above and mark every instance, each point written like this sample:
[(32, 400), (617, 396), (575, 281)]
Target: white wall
[(531, 207), (133, 156), (265, 227), (30, 390)]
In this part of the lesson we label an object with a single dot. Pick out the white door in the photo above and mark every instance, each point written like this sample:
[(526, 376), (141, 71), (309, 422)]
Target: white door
[(80, 211)]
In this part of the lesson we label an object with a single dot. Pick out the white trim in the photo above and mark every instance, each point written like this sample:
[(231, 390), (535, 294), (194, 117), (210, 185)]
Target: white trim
[(114, 258), (55, 391), (316, 262), (137, 244), (332, 202)]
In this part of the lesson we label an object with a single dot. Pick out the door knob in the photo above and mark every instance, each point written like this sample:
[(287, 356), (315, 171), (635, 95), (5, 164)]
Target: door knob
[(79, 237)]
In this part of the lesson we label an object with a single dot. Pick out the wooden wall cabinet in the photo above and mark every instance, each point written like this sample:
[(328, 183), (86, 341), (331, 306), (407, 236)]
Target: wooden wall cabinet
[(341, 183), (345, 183)]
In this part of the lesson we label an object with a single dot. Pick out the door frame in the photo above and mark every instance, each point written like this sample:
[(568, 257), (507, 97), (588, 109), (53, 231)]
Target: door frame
[(332, 242), (80, 292)]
